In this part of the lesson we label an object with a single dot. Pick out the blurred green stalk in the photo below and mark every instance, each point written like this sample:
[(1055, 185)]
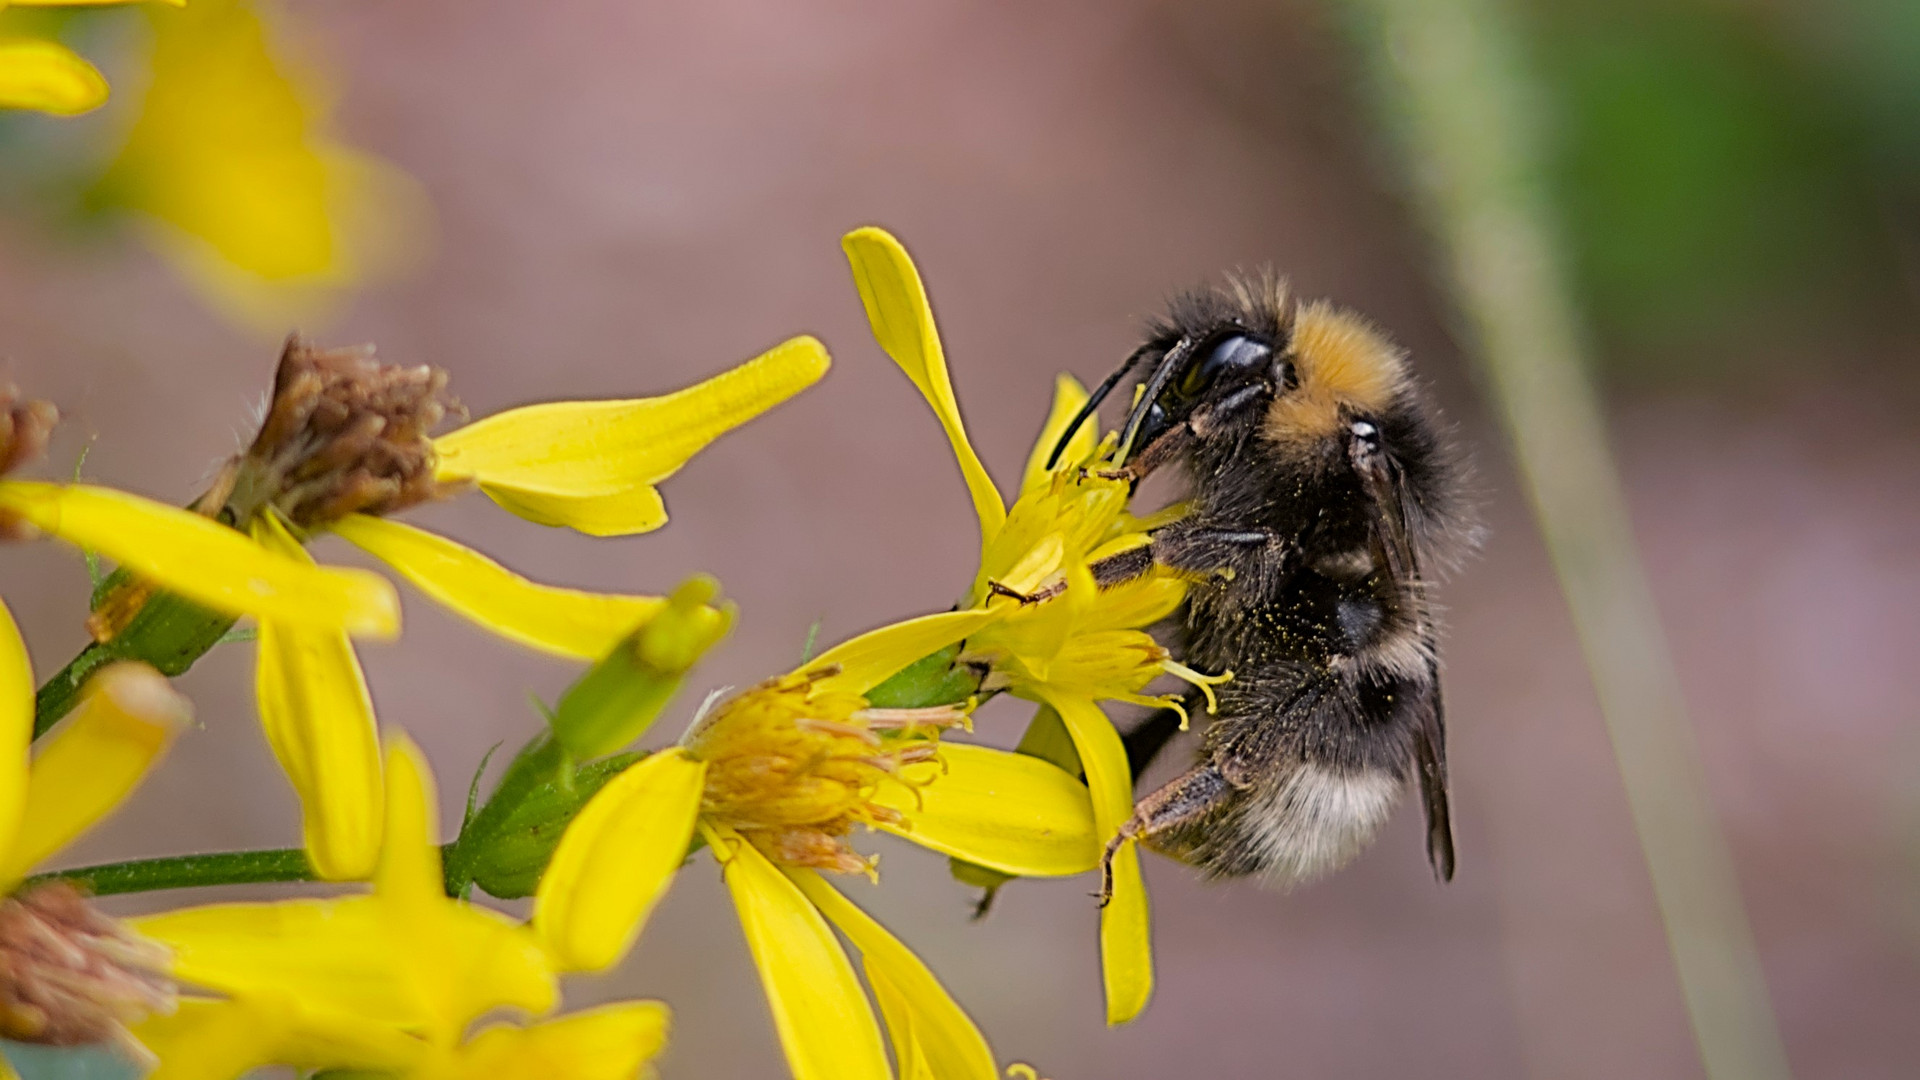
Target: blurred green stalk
[(1454, 90)]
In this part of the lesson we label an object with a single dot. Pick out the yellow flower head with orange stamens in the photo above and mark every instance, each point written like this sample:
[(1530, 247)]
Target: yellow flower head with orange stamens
[(1057, 638)]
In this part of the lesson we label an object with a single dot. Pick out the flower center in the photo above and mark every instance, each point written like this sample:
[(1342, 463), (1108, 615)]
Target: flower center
[(344, 434), (793, 765), (72, 975)]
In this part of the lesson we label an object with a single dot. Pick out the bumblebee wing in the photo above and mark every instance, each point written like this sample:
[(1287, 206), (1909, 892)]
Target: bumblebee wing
[(1430, 755)]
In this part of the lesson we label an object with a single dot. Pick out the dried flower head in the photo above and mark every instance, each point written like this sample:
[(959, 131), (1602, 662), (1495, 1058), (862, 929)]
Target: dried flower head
[(25, 427), (70, 975), (344, 434), (794, 764)]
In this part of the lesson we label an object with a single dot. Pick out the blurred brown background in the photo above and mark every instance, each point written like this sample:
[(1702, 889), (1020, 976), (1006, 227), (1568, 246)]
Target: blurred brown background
[(630, 197)]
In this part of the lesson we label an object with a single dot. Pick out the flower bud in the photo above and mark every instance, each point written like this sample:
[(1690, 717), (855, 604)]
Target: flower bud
[(616, 701)]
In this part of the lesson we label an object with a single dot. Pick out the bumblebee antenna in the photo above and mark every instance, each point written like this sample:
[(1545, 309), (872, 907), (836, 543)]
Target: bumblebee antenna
[(1175, 359), (1099, 395)]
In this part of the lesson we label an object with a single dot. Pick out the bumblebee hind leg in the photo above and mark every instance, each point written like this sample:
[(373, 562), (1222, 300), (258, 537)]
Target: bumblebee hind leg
[(1185, 800)]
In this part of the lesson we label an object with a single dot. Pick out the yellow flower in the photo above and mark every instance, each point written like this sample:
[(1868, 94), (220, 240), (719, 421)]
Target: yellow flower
[(73, 975), (47, 76), (388, 981), (233, 165), (1058, 639), (347, 438), (774, 779)]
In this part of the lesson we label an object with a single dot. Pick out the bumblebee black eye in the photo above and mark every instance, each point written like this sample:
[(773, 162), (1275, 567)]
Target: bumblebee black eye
[(1236, 354)]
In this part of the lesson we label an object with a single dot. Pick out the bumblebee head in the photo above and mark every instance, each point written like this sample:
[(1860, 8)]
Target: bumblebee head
[(1219, 358)]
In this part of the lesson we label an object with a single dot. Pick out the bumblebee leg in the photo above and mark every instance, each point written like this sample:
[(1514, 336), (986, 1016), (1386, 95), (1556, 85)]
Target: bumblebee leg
[(1151, 456), (1181, 801)]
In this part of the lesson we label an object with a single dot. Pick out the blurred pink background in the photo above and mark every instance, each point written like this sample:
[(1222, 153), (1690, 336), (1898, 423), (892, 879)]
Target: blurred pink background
[(631, 197)]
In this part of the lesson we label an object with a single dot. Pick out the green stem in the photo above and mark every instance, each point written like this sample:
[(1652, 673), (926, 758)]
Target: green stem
[(186, 871), (1457, 85), (170, 633)]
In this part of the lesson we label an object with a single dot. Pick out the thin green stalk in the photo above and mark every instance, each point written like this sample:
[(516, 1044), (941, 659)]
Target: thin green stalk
[(186, 871), (170, 633), (1456, 90)]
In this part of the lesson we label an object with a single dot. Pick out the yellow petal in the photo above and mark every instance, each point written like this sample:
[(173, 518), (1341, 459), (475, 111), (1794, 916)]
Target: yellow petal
[(942, 1033), (126, 720), (1068, 397), (1126, 949), (902, 322), (868, 660), (319, 721), (49, 77), (826, 1026), (1126, 942), (330, 954), (1010, 812), (219, 1040), (205, 562), (565, 622), (16, 728), (616, 513), (612, 1042), (211, 1040), (616, 860), (909, 1056), (462, 961), (592, 464)]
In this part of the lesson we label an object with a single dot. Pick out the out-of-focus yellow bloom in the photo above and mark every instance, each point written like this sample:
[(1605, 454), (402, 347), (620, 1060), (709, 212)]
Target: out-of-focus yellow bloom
[(389, 981), (73, 975), (125, 722), (47, 76), (1058, 639), (775, 778), (233, 162)]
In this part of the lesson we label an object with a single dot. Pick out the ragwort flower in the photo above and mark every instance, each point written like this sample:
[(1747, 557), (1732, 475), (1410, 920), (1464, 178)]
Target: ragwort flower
[(72, 975), (1059, 638), (775, 779), (347, 439), (389, 981)]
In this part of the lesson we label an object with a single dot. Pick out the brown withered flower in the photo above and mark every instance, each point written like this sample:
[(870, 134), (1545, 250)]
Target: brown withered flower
[(25, 427), (344, 434), (71, 976)]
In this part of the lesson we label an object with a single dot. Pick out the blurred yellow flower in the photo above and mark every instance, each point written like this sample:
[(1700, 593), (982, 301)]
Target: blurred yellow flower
[(774, 779), (72, 974), (390, 981), (233, 162), (1059, 639)]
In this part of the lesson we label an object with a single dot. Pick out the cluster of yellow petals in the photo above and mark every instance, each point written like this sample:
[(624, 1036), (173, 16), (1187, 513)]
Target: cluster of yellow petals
[(1057, 638), (804, 755), (588, 465), (390, 981)]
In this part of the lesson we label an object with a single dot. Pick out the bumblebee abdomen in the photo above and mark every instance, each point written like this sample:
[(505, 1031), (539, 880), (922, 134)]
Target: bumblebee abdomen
[(1291, 828)]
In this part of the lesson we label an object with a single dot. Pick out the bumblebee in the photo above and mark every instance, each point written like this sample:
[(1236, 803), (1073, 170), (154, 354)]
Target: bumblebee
[(1325, 497)]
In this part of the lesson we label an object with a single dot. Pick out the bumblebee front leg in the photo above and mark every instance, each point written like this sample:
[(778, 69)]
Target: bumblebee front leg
[(1197, 549), (1184, 800)]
